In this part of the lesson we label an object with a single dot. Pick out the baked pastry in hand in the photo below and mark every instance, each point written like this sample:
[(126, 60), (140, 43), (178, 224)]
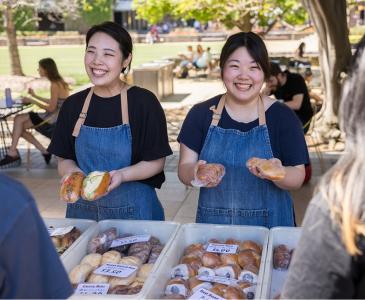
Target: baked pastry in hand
[(95, 185), (267, 167), (209, 174), (71, 187)]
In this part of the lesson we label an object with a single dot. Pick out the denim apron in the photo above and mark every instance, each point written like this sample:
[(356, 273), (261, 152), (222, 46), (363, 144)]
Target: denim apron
[(241, 198), (106, 149)]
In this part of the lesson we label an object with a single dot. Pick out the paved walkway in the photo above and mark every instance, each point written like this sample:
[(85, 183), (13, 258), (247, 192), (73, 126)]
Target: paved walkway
[(178, 201)]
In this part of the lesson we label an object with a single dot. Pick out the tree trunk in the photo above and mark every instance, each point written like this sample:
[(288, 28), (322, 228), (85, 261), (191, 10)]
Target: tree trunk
[(245, 24), (16, 68), (329, 19)]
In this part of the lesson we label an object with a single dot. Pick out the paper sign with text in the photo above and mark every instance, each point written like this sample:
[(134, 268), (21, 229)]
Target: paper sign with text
[(204, 294), (117, 270), (92, 289), (222, 248), (130, 240), (217, 279)]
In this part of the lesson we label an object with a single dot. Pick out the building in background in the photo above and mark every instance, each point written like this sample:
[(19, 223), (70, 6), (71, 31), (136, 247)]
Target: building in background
[(125, 15)]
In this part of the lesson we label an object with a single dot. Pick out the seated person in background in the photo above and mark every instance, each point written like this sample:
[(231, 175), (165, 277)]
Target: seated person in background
[(29, 264), (318, 101), (299, 59), (198, 54), (42, 122), (291, 88), (182, 70)]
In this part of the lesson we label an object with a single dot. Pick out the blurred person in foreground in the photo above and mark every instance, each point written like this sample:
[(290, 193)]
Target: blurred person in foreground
[(329, 260), (29, 264)]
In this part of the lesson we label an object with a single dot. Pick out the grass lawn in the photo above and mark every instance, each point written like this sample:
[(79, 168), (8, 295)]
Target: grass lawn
[(70, 58)]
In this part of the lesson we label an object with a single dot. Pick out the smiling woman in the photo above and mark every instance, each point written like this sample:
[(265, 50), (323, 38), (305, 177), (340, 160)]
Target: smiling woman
[(116, 128), (232, 128)]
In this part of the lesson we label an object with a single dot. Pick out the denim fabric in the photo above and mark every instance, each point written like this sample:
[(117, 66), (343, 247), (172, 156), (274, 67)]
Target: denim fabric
[(242, 198), (106, 149)]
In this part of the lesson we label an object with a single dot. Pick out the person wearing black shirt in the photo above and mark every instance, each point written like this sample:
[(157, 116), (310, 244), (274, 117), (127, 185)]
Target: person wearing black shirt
[(292, 89), (113, 127), (29, 264)]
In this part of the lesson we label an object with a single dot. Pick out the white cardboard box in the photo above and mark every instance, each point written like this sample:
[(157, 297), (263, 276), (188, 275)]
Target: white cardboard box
[(274, 279), (201, 233), (81, 224), (164, 231)]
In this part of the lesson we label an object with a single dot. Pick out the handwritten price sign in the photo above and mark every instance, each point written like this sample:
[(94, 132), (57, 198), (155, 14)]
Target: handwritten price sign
[(204, 294), (218, 279), (130, 240), (117, 270), (222, 248), (92, 289)]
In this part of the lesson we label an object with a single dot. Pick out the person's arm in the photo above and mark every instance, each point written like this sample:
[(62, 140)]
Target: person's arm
[(49, 105), (320, 267), (296, 102), (188, 160), (139, 171)]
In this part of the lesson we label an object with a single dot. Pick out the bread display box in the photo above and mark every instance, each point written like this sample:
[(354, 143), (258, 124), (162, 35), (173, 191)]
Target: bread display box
[(117, 258), (282, 243), (66, 232), (208, 261)]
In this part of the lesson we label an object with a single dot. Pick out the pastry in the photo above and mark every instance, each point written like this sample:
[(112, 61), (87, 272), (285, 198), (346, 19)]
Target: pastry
[(210, 173), (93, 259), (71, 187), (267, 168), (95, 185)]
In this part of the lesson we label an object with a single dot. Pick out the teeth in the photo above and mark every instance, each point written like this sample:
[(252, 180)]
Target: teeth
[(243, 86), (98, 72)]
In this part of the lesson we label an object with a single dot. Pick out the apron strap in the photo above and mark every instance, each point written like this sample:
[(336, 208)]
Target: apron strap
[(124, 104), (217, 112), (83, 114)]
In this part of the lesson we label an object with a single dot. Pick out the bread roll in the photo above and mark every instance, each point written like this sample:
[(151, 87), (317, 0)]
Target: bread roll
[(194, 262), (267, 167), (250, 245), (229, 258), (93, 259), (194, 250), (131, 260), (211, 260), (282, 257), (111, 257), (177, 286), (95, 185), (210, 173), (144, 272), (71, 187), (195, 284), (232, 292), (249, 257), (114, 281), (228, 271), (183, 271), (79, 273), (94, 278)]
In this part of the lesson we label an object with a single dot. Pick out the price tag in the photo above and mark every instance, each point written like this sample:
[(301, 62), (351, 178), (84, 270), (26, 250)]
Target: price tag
[(218, 279), (130, 240), (60, 230), (117, 270), (222, 248), (203, 294), (92, 289)]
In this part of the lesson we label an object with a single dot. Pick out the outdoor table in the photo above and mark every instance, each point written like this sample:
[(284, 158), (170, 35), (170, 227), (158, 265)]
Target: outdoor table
[(5, 132)]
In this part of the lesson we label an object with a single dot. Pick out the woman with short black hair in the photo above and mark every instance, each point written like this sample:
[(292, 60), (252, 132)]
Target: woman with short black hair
[(232, 128), (113, 127)]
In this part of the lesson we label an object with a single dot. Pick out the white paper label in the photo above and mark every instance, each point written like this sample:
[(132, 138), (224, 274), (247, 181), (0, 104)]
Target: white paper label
[(130, 240), (203, 294), (222, 248), (92, 289), (117, 270), (218, 279), (248, 276), (60, 230)]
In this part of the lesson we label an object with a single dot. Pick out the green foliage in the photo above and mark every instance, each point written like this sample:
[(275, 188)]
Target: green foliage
[(96, 11), (24, 19), (241, 13), (153, 11)]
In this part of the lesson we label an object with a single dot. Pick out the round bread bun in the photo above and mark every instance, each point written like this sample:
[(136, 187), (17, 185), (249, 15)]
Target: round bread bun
[(267, 167), (210, 172), (95, 185), (71, 187)]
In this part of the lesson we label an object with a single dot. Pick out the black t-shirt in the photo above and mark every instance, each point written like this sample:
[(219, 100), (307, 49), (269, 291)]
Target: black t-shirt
[(285, 131), (146, 117), (295, 84), (30, 267)]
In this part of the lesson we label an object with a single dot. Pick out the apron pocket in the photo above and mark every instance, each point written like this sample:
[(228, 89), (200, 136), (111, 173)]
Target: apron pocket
[(124, 212), (82, 211), (256, 217)]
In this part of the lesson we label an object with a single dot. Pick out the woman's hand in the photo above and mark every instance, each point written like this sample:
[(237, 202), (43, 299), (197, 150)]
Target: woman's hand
[(26, 100), (31, 92), (209, 182), (115, 180), (273, 171)]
